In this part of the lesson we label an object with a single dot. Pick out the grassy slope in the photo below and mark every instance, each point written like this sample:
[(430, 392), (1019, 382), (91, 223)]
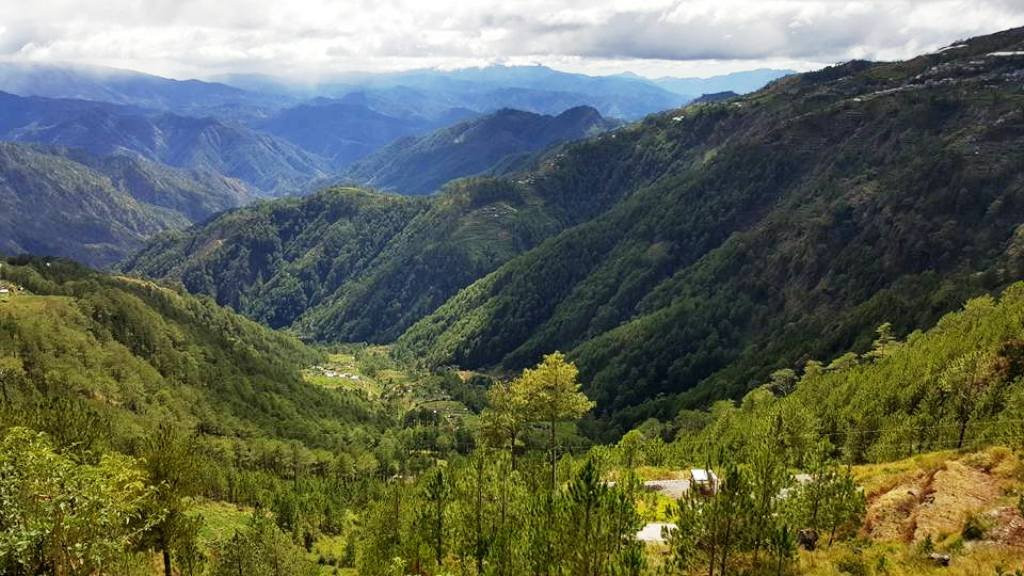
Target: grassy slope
[(983, 484)]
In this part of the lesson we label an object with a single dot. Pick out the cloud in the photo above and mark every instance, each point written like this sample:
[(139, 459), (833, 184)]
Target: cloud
[(205, 37)]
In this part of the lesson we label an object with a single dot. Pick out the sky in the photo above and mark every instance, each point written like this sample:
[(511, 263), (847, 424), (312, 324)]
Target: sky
[(315, 39)]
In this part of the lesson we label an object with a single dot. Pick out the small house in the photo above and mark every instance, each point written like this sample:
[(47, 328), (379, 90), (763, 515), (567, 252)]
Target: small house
[(704, 481)]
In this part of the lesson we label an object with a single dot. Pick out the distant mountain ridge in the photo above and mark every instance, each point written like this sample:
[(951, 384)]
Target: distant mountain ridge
[(421, 165), (59, 202), (130, 88), (739, 82), (539, 89), (269, 165), (346, 130)]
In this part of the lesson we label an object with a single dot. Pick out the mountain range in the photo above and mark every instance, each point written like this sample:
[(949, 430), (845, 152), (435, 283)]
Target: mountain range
[(492, 143), (130, 88), (345, 130), (269, 165), (689, 254)]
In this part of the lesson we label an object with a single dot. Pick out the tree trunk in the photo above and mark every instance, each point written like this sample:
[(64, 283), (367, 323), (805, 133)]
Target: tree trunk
[(479, 517), (512, 449), (963, 431), (551, 450), (167, 559)]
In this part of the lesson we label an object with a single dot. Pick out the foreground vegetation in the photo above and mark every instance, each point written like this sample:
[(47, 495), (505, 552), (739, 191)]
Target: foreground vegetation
[(149, 431)]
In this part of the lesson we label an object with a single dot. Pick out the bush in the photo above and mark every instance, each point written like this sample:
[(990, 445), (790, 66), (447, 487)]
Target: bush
[(853, 564), (975, 527)]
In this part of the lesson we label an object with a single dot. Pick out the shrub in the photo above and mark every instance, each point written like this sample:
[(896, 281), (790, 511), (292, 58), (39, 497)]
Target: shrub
[(975, 527)]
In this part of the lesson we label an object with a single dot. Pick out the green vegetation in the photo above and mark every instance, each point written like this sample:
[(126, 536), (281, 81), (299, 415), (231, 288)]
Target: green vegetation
[(745, 300), (212, 445), (677, 261), (789, 225), (150, 411), (349, 264)]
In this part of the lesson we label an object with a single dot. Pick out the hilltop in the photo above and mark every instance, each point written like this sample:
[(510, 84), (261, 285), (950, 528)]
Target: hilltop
[(421, 165)]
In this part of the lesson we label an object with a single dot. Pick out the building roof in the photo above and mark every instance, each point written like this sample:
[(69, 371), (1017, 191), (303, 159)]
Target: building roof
[(701, 475)]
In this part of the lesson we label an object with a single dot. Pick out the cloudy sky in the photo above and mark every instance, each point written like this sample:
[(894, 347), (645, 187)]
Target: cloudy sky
[(311, 38)]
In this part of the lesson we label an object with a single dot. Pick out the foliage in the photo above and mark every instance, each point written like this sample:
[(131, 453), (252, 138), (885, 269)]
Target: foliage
[(61, 517), (261, 549)]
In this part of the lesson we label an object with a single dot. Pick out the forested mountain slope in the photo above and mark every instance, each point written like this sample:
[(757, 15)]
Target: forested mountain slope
[(257, 261), (346, 263), (98, 210), (132, 354), (421, 165), (807, 214), (687, 256)]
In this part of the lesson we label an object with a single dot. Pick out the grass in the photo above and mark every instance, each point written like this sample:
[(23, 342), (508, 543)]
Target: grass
[(220, 520), (876, 478), (892, 559)]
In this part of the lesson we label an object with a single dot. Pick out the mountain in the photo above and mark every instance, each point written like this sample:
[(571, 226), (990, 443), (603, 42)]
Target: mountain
[(206, 144), (421, 165), (101, 358), (429, 93), (349, 262), (792, 222), (683, 258), (356, 265), (195, 194), (98, 210), (715, 97), (739, 82), (126, 87), (346, 130)]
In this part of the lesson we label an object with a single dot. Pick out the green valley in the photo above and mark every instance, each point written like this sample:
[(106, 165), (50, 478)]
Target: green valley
[(775, 331)]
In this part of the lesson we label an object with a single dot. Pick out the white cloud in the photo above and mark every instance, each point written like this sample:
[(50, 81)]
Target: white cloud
[(207, 37)]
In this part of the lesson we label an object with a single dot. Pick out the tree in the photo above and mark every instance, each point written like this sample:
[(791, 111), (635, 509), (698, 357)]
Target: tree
[(436, 492), (261, 549), (709, 526), (58, 517), (504, 416), (171, 464), (884, 343), (552, 395), (782, 381), (965, 381), (599, 524)]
